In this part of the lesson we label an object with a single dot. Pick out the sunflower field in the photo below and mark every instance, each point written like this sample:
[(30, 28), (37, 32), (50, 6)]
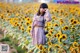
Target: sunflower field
[(64, 29)]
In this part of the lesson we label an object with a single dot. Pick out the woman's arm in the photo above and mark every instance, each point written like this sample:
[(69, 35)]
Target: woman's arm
[(47, 16), (32, 25)]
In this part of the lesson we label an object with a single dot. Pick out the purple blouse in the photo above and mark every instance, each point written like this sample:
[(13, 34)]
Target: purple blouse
[(38, 20)]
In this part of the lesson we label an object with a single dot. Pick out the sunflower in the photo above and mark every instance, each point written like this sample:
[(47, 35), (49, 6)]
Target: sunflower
[(56, 46), (40, 46), (60, 14), (64, 36), (75, 44), (71, 48), (54, 35), (11, 21), (61, 10), (75, 22), (49, 24), (49, 48), (66, 13), (72, 19), (61, 21), (16, 23), (48, 35), (2, 17), (74, 51), (54, 17), (43, 51), (59, 40), (78, 12), (22, 28), (27, 19), (28, 22), (58, 35), (49, 43), (51, 31), (55, 24), (17, 14), (28, 29), (65, 28)]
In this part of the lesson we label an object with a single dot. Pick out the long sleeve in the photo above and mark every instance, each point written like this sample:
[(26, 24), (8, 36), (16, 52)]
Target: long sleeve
[(32, 25), (47, 16)]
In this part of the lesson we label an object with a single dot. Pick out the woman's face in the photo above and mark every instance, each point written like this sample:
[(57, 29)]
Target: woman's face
[(42, 10)]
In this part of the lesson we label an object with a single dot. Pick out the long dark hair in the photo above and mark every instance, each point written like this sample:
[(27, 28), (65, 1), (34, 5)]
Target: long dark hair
[(43, 5)]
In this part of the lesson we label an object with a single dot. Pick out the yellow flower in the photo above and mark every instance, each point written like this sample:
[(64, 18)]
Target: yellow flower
[(55, 24), (28, 29), (51, 31), (41, 51), (49, 49), (49, 43), (57, 46), (49, 24), (64, 36), (22, 28), (48, 35), (65, 28), (53, 17), (41, 47), (75, 22), (17, 14), (11, 21), (58, 35), (71, 48), (16, 23), (28, 22), (66, 14), (27, 19), (61, 21), (75, 44), (72, 19), (78, 12), (54, 35), (44, 49)]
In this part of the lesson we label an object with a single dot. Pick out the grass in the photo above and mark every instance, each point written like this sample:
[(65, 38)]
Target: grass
[(13, 43)]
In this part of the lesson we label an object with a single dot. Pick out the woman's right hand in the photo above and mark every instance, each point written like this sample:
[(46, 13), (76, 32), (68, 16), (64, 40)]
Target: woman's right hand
[(31, 33), (46, 10)]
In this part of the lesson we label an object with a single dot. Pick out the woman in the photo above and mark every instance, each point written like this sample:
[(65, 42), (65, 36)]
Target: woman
[(37, 28)]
